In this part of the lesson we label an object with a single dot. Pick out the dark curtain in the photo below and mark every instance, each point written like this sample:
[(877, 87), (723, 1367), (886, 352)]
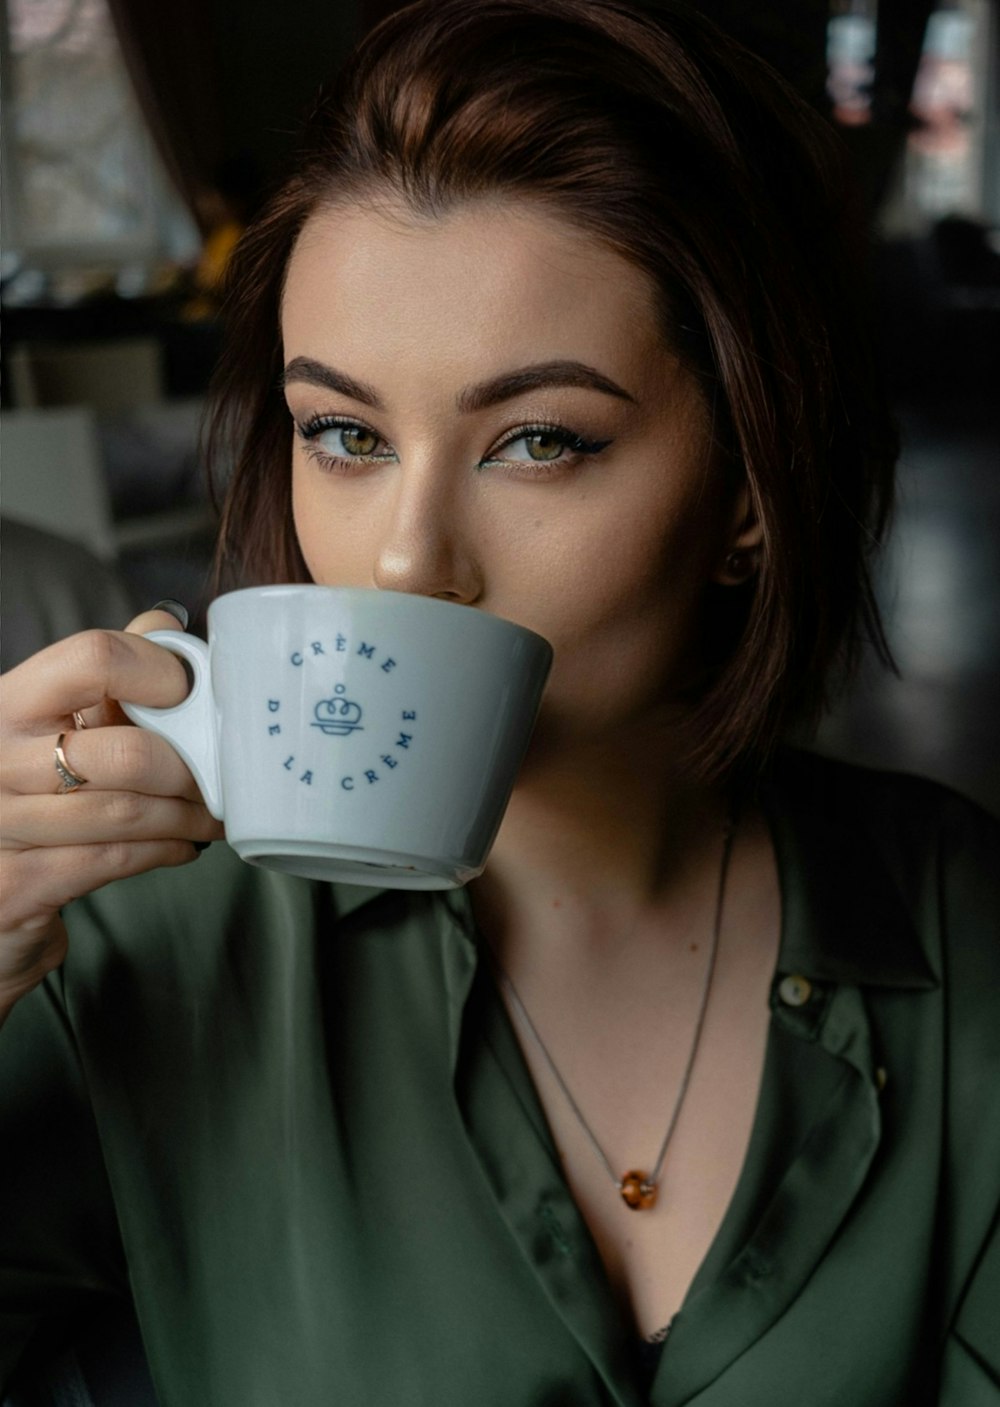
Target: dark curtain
[(901, 27), (168, 50), (791, 35)]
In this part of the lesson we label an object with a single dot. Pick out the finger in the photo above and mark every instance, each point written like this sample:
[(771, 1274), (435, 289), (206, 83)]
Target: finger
[(27, 955), (111, 759), (41, 694), (42, 881), (101, 816), (100, 716), (165, 615)]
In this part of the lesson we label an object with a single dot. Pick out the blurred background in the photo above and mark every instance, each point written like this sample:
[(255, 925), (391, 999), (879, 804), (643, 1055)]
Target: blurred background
[(138, 138)]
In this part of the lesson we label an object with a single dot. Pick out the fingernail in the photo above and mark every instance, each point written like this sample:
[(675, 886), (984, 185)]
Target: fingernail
[(201, 845), (175, 609)]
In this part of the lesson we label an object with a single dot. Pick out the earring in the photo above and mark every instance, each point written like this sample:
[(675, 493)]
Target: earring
[(739, 566)]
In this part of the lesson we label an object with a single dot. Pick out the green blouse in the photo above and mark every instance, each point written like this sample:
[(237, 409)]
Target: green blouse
[(293, 1121)]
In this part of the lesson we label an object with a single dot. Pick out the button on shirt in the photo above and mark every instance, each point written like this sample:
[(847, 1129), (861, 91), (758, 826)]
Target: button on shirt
[(795, 990), (294, 1122)]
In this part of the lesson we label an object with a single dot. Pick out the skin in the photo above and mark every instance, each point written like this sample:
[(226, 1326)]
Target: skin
[(140, 808)]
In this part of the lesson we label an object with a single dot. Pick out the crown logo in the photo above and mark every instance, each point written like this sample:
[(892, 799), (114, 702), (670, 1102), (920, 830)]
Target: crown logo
[(337, 717)]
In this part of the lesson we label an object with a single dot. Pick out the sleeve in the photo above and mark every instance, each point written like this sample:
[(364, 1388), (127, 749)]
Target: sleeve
[(60, 1249), (970, 915)]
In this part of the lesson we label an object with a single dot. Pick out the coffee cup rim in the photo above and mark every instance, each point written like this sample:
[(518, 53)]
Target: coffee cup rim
[(281, 589)]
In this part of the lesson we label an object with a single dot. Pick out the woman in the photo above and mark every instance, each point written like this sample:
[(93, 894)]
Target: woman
[(569, 332)]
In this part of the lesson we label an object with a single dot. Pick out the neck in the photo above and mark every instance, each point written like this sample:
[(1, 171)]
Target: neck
[(594, 845)]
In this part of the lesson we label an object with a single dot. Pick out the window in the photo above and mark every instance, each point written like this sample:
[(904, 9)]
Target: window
[(851, 37), (944, 157), (84, 184), (949, 164)]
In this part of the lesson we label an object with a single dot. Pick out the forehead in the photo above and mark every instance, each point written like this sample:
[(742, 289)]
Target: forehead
[(497, 275)]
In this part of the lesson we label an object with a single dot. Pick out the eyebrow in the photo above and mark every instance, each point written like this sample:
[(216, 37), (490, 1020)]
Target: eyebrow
[(315, 373), (471, 398), (533, 378)]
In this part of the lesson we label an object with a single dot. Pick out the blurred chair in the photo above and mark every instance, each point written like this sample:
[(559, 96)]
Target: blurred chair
[(106, 376), (53, 476), (52, 588), (56, 478)]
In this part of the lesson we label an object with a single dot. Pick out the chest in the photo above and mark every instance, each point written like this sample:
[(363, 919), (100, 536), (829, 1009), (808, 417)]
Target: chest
[(628, 1094)]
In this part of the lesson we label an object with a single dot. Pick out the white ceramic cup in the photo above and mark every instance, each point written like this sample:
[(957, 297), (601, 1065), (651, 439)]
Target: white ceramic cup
[(370, 737)]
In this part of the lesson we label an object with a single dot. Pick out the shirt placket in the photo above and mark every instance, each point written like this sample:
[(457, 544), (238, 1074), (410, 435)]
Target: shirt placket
[(509, 1135), (726, 1313)]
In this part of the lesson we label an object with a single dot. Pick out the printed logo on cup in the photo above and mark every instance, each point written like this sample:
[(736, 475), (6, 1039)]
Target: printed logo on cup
[(362, 763)]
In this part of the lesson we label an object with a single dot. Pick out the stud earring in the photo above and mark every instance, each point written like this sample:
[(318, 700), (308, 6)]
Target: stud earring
[(739, 566)]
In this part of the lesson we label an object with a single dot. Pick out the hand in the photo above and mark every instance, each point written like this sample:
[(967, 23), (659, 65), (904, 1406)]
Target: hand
[(138, 808)]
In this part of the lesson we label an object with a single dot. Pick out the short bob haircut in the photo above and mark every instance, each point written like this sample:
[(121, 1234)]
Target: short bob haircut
[(656, 134)]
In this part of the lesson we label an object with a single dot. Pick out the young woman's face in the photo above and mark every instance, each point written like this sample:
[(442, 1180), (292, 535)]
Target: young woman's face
[(484, 410)]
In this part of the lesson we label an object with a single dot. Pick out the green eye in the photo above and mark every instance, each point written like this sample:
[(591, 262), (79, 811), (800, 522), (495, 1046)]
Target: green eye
[(543, 446), (344, 444), (357, 440)]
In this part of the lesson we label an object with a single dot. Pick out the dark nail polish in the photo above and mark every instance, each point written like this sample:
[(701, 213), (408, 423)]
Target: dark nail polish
[(201, 845), (175, 609)]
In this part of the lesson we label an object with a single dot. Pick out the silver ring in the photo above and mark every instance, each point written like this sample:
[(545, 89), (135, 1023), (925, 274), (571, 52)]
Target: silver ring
[(78, 720), (68, 779)]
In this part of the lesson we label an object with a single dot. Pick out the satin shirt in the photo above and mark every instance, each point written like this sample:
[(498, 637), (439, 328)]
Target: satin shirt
[(292, 1120)]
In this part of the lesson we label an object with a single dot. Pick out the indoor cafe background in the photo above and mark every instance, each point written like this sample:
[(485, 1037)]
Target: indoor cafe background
[(137, 140)]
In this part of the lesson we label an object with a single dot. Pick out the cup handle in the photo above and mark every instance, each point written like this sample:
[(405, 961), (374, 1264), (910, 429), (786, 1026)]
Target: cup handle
[(190, 727)]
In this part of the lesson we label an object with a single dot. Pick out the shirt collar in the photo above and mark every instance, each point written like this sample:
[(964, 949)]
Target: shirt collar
[(844, 915), (348, 897), (844, 918)]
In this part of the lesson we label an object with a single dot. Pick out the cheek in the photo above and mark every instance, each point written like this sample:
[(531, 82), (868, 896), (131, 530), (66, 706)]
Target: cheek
[(330, 542), (624, 611), (623, 570), (305, 517)]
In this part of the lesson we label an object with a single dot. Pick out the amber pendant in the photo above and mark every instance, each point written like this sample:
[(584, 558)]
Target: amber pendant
[(638, 1193)]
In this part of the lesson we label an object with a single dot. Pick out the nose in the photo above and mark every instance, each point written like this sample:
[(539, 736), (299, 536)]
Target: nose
[(426, 548)]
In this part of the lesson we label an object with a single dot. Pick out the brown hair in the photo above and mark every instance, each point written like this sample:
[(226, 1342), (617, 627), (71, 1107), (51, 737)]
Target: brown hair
[(684, 153)]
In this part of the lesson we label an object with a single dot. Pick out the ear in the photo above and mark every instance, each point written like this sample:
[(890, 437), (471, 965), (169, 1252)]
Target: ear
[(742, 542)]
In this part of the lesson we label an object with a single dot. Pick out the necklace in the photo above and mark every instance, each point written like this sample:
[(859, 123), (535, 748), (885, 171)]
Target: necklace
[(639, 1189)]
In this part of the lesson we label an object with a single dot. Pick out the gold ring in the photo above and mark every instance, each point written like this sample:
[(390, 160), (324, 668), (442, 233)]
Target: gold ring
[(78, 720), (68, 779)]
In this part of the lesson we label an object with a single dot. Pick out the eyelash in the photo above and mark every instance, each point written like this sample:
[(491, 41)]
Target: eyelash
[(537, 469)]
